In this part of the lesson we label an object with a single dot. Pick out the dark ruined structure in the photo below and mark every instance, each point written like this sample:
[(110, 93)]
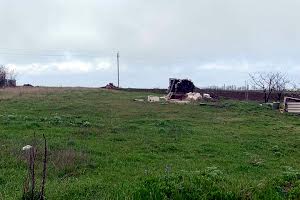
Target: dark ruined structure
[(110, 86), (178, 88)]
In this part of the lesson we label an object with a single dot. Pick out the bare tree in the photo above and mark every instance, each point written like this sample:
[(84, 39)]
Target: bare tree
[(11, 74), (3, 75), (269, 83), (265, 82), (281, 83), (7, 76)]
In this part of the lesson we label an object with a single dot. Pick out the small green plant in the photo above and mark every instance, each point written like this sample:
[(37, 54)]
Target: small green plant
[(56, 120), (86, 124), (276, 150)]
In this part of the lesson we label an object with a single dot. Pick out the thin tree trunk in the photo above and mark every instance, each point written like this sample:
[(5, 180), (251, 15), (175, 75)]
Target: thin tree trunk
[(32, 171), (44, 169)]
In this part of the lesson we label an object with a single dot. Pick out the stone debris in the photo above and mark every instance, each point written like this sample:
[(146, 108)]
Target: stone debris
[(140, 100), (153, 98), (178, 101), (206, 96), (164, 98), (110, 86), (180, 91), (193, 96)]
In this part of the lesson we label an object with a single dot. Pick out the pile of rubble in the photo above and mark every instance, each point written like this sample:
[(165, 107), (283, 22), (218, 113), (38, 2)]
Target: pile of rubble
[(180, 91), (110, 86)]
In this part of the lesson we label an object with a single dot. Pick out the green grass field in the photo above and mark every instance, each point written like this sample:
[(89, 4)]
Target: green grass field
[(104, 145)]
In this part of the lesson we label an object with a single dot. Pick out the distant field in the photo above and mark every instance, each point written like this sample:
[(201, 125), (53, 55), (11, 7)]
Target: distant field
[(104, 145)]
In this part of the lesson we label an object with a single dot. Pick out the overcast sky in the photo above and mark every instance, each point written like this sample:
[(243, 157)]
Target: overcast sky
[(212, 42)]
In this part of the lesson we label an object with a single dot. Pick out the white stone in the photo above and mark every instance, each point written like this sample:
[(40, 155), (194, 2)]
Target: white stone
[(194, 96), (153, 98), (27, 147), (206, 96)]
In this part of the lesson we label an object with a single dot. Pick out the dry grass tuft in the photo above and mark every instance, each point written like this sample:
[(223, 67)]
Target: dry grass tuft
[(66, 161), (9, 93)]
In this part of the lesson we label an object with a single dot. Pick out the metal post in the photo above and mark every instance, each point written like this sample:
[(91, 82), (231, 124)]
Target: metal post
[(118, 63)]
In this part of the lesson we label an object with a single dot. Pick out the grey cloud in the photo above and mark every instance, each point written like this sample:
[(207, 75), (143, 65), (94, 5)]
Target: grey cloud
[(201, 39)]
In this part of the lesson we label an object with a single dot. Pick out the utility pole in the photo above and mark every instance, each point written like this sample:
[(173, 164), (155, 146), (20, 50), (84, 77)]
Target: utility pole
[(118, 64)]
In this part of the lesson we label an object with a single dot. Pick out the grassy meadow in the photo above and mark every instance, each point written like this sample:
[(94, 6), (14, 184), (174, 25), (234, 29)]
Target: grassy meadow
[(104, 145)]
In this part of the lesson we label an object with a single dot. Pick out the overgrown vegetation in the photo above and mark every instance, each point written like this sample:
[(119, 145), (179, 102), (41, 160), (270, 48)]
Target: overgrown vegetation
[(211, 183), (104, 145)]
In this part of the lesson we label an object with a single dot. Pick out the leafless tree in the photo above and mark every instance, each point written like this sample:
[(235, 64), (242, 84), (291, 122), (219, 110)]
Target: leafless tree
[(265, 82), (3, 75), (269, 83), (6, 74), (11, 74), (281, 83), (295, 87)]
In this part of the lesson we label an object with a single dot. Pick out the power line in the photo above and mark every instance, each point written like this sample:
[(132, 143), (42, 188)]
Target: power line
[(47, 55), (52, 52), (66, 53), (57, 50)]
